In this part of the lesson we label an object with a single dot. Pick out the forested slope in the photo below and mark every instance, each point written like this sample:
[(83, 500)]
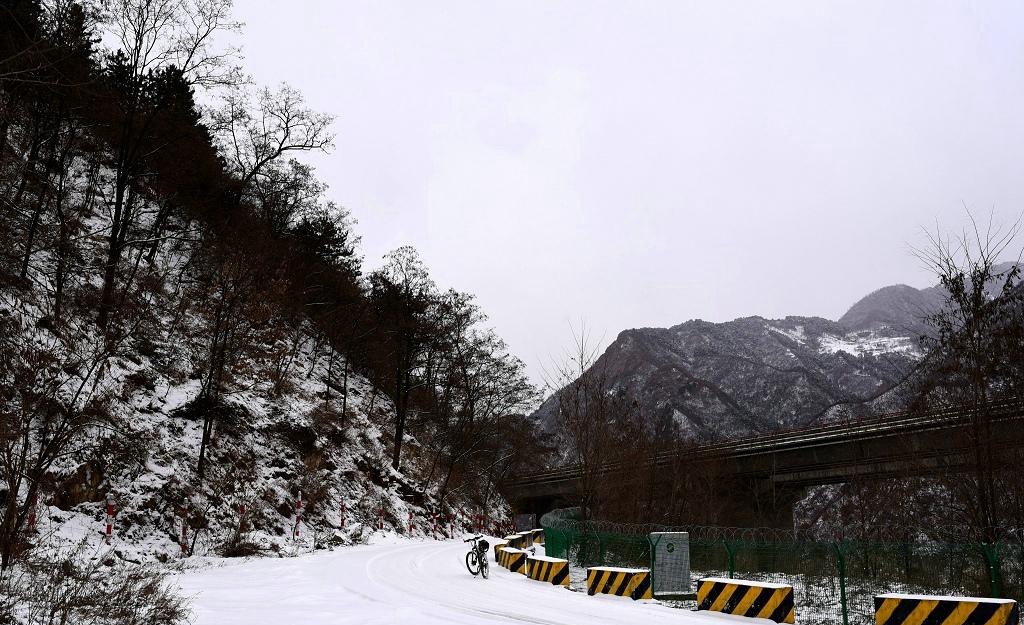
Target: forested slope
[(185, 323)]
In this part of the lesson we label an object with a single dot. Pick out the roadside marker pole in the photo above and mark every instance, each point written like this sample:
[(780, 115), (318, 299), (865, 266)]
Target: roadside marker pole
[(32, 513), (410, 522), (341, 521), (380, 518), (298, 516), (241, 518), (434, 519), (110, 517), (184, 530)]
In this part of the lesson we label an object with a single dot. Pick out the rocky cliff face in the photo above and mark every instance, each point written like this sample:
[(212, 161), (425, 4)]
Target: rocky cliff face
[(753, 375)]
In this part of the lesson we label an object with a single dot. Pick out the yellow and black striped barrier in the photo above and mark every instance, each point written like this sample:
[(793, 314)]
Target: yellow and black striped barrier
[(896, 609), (632, 583), (514, 541), (754, 599), (538, 537), (497, 548), (552, 570), (512, 559)]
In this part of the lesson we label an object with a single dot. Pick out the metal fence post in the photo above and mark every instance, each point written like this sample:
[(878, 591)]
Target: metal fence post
[(652, 546), (840, 551), (991, 554), (730, 551)]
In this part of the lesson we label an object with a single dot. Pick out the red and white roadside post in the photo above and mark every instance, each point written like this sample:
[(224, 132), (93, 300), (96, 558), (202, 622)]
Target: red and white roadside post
[(341, 517), (184, 531), (298, 516), (434, 520), (241, 518), (410, 522), (110, 517)]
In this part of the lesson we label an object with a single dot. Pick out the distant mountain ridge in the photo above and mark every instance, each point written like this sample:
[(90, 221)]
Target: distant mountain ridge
[(751, 375), (898, 306)]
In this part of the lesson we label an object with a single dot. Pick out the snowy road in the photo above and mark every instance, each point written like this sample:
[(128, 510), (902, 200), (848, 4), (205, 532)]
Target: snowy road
[(409, 582)]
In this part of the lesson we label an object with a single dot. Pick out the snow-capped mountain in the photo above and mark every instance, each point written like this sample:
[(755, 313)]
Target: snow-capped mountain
[(751, 375)]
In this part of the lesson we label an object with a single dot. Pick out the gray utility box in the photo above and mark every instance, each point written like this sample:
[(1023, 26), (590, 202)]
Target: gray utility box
[(670, 563), (525, 522)]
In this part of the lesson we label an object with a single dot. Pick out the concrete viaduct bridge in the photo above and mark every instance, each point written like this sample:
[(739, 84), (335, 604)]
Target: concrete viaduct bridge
[(894, 445)]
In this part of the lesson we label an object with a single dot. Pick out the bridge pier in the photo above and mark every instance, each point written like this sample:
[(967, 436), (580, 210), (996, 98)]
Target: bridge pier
[(771, 505)]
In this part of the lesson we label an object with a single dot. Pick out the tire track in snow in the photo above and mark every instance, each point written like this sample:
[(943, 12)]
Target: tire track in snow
[(409, 582)]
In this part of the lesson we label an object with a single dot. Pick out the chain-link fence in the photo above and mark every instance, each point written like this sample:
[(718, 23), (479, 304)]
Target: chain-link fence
[(834, 581)]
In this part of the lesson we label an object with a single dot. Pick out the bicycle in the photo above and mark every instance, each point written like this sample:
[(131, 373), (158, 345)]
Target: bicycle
[(476, 559)]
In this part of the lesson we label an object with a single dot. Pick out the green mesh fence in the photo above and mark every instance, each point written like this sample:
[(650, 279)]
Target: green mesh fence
[(833, 581)]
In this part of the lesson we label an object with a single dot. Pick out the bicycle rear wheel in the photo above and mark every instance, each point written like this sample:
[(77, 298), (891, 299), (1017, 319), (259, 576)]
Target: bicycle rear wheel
[(484, 567), (472, 562)]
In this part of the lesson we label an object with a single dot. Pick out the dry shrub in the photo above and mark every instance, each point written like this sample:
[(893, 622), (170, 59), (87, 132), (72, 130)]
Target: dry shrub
[(72, 586)]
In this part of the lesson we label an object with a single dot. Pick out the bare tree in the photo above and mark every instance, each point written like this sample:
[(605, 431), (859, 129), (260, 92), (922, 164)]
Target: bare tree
[(969, 350), (57, 395), (402, 296), (253, 139), (476, 393), (154, 34), (588, 415), (159, 40)]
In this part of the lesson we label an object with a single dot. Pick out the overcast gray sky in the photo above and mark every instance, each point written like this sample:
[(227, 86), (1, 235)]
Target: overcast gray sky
[(645, 163)]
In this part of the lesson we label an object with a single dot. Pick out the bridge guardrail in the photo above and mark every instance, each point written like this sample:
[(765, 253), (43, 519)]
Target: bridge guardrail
[(1011, 409)]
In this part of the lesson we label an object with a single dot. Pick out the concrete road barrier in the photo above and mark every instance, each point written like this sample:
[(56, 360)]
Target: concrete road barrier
[(898, 609), (512, 559), (608, 580), (514, 541), (497, 547), (743, 598), (544, 569)]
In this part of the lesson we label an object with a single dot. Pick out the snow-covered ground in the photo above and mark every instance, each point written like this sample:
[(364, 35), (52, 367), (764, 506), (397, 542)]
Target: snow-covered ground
[(404, 581), (861, 343), (868, 344)]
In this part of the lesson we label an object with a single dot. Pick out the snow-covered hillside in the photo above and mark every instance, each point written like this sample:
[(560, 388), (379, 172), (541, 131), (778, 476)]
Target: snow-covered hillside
[(751, 375), (277, 437)]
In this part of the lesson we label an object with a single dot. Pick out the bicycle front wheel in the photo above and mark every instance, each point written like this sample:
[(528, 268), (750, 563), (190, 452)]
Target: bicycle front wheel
[(472, 562), (484, 567)]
